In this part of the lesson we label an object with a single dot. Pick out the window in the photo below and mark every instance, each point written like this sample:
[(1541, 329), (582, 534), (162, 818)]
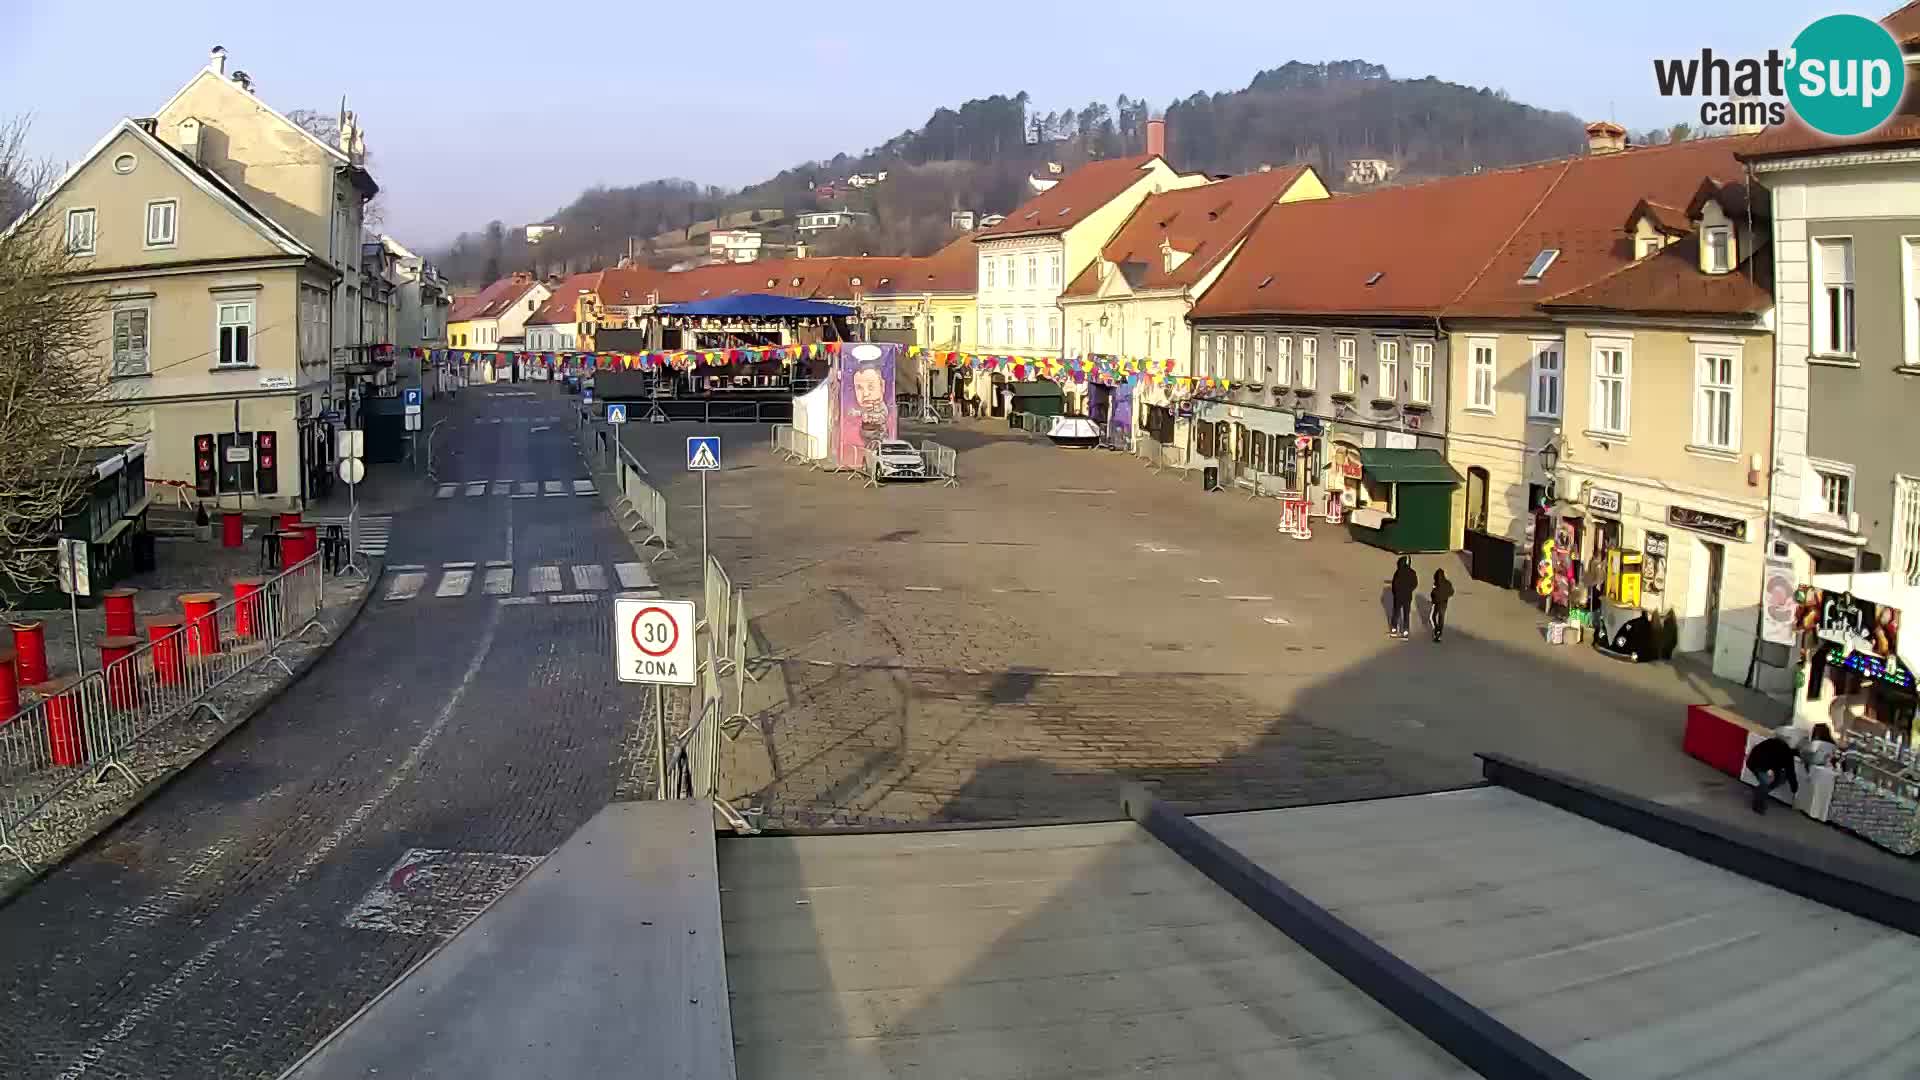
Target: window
[(1833, 297), (1221, 357), (130, 341), (1545, 403), (1006, 271), (1389, 355), (1480, 374), (235, 322), (1422, 391), (162, 218), (986, 327), (1716, 399), (1259, 373), (1053, 269), (1009, 328), (1027, 338), (1612, 394), (1282, 360), (1348, 376), (125, 164), (1033, 271), (1239, 357), (957, 323), (1911, 285), (1836, 492), (1053, 331), (1203, 367), (1538, 267), (1645, 246), (80, 232), (988, 265), (1309, 362), (1719, 250), (1906, 529)]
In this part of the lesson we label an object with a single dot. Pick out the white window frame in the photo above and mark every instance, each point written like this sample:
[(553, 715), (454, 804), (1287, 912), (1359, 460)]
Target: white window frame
[(1836, 470), (1703, 392), (1541, 376), (1259, 373), (91, 216), (1309, 362), (1033, 271), (1477, 402), (173, 224), (1006, 272), (1904, 559), (988, 267), (1053, 331), (1027, 337), (1205, 359), (221, 323), (1006, 324), (1282, 360), (134, 361), (1722, 232), (1387, 358), (1222, 356), (1601, 424), (1421, 387), (1239, 358), (1347, 380), (986, 329), (1646, 245), (1910, 300), (1053, 269), (1823, 329)]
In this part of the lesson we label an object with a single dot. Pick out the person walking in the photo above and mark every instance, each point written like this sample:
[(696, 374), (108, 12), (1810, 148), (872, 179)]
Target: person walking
[(1441, 594), (1404, 582)]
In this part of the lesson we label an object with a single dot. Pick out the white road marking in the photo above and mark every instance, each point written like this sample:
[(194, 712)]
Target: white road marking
[(155, 908), (456, 566), (1249, 597), (454, 583), (530, 431), (1208, 580), (406, 586), (585, 487), (476, 487), (151, 1002), (572, 598), (527, 487), (498, 582), (408, 566), (554, 487), (1275, 620), (923, 588), (544, 579), (589, 577), (518, 601), (445, 491), (502, 487), (502, 562), (632, 575), (1084, 491)]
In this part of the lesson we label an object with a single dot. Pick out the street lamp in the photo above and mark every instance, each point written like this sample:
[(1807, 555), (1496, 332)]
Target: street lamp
[(1550, 461)]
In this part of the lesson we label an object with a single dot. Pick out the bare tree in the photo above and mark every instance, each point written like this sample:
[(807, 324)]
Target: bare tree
[(57, 398), (326, 128)]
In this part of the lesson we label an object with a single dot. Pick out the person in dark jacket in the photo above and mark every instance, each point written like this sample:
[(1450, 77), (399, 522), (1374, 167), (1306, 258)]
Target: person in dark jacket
[(1772, 763), (1442, 593), (1404, 582)]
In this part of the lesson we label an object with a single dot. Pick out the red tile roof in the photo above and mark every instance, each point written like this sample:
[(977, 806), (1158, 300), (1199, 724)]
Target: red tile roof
[(1666, 218), (627, 286), (1069, 202), (1580, 216), (491, 301), (1670, 282), (1426, 241), (1204, 222), (953, 269), (1904, 24), (563, 306)]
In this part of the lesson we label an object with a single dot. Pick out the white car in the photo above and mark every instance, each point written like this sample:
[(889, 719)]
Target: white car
[(897, 460)]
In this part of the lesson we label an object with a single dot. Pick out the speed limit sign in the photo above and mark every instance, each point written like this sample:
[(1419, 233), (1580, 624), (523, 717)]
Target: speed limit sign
[(653, 640)]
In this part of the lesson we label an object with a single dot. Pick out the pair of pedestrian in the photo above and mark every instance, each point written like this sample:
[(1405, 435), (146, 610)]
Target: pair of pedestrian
[(1404, 582), (1773, 759)]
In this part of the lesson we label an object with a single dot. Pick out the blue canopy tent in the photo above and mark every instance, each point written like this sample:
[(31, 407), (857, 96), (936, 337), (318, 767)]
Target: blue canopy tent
[(760, 306)]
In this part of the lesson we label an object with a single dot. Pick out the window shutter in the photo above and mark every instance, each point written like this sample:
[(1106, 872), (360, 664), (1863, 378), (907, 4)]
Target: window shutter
[(1836, 261)]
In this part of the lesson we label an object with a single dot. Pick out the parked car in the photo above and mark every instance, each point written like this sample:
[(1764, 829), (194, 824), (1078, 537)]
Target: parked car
[(897, 460)]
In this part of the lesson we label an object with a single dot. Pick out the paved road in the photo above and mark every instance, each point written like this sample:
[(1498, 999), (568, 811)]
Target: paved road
[(235, 919)]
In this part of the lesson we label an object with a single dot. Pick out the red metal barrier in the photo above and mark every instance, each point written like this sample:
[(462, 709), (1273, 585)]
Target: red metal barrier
[(164, 633), (233, 529), (119, 606), (65, 737), (9, 687), (30, 652), (246, 608), (121, 677), (203, 632)]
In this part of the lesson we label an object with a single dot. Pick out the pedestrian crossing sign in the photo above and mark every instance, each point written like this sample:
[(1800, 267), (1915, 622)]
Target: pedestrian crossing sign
[(703, 453), (616, 414)]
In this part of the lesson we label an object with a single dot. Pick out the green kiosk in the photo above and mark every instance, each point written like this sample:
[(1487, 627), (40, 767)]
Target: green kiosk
[(1406, 501)]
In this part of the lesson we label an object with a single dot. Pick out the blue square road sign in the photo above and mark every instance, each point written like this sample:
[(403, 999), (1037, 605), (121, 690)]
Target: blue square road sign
[(616, 414), (412, 396), (703, 453)]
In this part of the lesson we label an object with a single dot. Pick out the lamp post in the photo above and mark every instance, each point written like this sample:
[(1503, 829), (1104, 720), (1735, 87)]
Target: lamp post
[(1550, 461)]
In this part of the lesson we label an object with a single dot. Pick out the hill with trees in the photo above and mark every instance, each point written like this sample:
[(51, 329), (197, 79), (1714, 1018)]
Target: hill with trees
[(978, 157)]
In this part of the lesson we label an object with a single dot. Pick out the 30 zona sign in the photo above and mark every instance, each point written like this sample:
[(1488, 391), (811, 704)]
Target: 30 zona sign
[(653, 640)]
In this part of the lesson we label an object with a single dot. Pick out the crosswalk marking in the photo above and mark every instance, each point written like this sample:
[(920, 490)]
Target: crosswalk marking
[(501, 487), (406, 586), (572, 598), (590, 577), (528, 487), (544, 579), (456, 566), (446, 491), (585, 487), (375, 530), (498, 582), (476, 487), (454, 583), (553, 487), (633, 575)]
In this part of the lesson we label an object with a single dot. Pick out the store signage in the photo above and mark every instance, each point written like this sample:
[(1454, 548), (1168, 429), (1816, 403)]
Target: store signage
[(276, 382), (1713, 524), (239, 453), (1847, 620), (1603, 500), (1778, 604), (1306, 425), (1656, 545)]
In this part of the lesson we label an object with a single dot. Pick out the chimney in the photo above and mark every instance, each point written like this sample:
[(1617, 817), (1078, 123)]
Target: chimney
[(1157, 137), (217, 60), (1605, 137), (243, 80), (190, 139), (521, 277)]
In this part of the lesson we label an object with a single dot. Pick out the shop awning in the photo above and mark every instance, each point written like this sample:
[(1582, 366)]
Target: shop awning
[(1393, 466), (1041, 388)]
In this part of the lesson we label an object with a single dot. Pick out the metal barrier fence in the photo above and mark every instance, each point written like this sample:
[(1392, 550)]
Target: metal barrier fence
[(87, 727), (798, 447), (646, 504), (943, 463), (1160, 456), (716, 617)]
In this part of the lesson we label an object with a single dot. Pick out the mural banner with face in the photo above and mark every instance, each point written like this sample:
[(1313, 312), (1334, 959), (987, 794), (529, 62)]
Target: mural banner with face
[(865, 411), (1120, 414)]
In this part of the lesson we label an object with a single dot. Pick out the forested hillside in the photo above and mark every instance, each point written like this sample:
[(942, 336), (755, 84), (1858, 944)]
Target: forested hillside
[(978, 157)]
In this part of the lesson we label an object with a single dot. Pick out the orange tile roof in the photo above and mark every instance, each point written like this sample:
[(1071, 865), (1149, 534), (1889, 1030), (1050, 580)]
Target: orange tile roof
[(953, 269), (1204, 222), (563, 306), (1904, 24), (1426, 241), (627, 286), (1670, 282), (1069, 202), (470, 307), (1667, 219)]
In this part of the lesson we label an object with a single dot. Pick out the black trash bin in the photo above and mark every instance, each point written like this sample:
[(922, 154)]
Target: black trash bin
[(145, 557), (1210, 478)]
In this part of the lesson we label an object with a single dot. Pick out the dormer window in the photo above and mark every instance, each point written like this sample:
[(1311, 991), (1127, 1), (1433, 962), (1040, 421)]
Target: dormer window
[(1716, 255), (855, 280), (1538, 267), (1374, 278), (1647, 245)]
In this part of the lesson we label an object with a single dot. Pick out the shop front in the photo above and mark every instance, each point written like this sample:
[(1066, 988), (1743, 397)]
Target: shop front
[(1404, 500), (1255, 449)]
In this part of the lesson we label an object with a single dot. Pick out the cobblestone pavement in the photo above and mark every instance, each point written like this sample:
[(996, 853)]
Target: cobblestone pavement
[(1064, 621), (207, 934)]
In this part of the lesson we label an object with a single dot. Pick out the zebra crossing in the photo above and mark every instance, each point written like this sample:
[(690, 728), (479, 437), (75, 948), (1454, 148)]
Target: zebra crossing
[(552, 583), (375, 530), (518, 419), (514, 489)]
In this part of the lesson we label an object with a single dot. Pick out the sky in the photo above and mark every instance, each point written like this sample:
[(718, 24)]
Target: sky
[(486, 109)]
